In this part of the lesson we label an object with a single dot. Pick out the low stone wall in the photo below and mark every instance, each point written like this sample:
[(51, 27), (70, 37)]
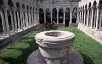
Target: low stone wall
[(94, 33), (8, 40)]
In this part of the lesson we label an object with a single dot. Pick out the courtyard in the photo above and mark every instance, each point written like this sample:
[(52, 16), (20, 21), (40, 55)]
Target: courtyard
[(18, 52)]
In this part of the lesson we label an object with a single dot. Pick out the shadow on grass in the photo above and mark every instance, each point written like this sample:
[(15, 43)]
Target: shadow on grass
[(87, 59), (21, 59)]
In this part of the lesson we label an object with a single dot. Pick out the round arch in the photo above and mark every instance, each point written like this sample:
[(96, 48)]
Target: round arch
[(74, 15), (23, 6), (61, 14), (41, 16), (54, 15), (17, 5), (9, 20), (10, 3), (48, 15)]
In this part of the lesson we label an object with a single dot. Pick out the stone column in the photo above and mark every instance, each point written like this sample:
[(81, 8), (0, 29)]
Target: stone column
[(97, 18), (92, 18), (84, 17), (70, 17), (18, 20), (15, 20), (64, 17), (78, 17), (3, 23), (100, 20), (21, 19), (32, 18), (87, 17), (26, 18), (44, 16), (57, 17), (6, 21), (29, 19), (51, 16)]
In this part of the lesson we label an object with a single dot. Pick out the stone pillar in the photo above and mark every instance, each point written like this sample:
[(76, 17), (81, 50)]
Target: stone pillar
[(70, 17), (64, 17), (44, 16), (92, 18), (84, 17), (29, 19), (78, 17), (51, 16), (3, 23), (97, 18), (26, 18), (6, 21), (57, 17), (21, 19), (15, 20), (32, 18), (87, 17), (100, 19), (18, 19)]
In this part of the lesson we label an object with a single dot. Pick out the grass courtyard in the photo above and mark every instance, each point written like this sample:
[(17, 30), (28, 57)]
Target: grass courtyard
[(18, 52)]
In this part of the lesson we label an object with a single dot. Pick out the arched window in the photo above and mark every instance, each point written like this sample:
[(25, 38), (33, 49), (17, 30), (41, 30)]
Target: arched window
[(10, 3), (74, 15), (61, 14), (23, 6), (54, 15), (17, 5), (9, 20), (41, 16), (48, 15)]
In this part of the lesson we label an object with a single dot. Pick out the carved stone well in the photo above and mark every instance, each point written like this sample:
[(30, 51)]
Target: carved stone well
[(55, 47)]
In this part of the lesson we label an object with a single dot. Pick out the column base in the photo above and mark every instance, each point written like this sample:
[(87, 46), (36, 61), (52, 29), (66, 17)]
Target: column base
[(71, 58)]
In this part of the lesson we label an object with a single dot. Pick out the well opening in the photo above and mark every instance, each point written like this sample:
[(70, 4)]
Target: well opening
[(53, 34)]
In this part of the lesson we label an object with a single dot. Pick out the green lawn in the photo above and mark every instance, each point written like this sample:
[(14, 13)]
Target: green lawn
[(18, 52)]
